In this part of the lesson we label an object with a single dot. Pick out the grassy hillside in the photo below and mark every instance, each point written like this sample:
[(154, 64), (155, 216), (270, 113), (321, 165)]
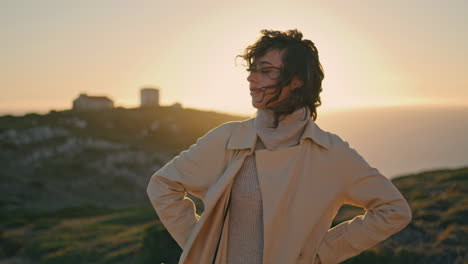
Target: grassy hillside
[(72, 190), (70, 158)]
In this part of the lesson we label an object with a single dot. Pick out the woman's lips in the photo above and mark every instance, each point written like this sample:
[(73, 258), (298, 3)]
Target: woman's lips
[(254, 91)]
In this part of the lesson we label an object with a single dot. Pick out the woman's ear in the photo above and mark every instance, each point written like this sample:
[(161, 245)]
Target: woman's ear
[(296, 82)]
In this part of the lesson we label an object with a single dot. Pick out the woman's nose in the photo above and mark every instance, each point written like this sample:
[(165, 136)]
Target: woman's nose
[(251, 77)]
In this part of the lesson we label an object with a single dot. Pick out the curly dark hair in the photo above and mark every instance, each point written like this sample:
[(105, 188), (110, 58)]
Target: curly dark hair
[(300, 58)]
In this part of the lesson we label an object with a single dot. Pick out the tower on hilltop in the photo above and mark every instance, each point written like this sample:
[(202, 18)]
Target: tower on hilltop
[(149, 97)]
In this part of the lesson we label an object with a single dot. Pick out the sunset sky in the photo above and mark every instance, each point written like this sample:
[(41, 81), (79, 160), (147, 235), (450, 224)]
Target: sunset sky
[(374, 52)]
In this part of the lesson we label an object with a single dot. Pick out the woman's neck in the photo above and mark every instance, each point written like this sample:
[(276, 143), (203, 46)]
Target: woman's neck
[(288, 132)]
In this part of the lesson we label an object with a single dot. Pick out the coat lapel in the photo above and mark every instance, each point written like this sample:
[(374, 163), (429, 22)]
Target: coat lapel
[(204, 238)]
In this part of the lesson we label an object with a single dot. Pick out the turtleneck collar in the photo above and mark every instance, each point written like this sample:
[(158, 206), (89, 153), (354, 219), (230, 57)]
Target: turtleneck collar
[(288, 132)]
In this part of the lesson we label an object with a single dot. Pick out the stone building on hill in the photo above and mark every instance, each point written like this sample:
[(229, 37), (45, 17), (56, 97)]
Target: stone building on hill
[(149, 97), (85, 102), (176, 106)]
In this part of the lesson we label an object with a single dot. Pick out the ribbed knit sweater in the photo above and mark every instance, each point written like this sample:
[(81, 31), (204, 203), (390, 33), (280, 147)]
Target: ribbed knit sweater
[(245, 229)]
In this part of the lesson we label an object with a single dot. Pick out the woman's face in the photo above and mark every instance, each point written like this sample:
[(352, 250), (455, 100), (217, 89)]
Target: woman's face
[(265, 72)]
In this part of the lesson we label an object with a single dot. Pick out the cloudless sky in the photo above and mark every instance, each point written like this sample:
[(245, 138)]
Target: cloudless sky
[(374, 52)]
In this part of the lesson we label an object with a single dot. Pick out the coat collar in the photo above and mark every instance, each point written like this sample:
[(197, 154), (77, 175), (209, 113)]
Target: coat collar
[(244, 135)]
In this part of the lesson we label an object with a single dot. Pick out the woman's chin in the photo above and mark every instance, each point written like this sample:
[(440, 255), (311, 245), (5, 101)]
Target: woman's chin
[(257, 105)]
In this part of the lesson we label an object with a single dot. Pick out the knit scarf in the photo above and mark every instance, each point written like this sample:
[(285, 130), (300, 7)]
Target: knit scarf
[(288, 132)]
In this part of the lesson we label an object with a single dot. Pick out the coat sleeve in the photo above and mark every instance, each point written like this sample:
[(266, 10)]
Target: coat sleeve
[(387, 211), (192, 171)]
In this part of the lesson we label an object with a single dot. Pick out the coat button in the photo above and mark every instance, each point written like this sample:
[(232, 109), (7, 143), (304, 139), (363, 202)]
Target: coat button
[(299, 259)]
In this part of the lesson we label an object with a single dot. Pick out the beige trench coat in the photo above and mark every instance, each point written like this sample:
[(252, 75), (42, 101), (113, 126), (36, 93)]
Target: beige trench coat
[(302, 189)]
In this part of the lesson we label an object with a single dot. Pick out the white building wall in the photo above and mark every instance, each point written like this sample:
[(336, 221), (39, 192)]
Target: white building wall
[(84, 102)]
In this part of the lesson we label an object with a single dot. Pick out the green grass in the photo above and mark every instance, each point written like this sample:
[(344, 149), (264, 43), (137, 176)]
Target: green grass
[(106, 236)]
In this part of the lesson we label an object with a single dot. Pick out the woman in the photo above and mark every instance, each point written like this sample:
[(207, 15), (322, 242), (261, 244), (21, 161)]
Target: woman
[(271, 185)]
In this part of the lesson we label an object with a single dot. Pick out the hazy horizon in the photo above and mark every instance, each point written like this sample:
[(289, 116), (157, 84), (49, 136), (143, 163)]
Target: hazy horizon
[(402, 140), (320, 110)]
